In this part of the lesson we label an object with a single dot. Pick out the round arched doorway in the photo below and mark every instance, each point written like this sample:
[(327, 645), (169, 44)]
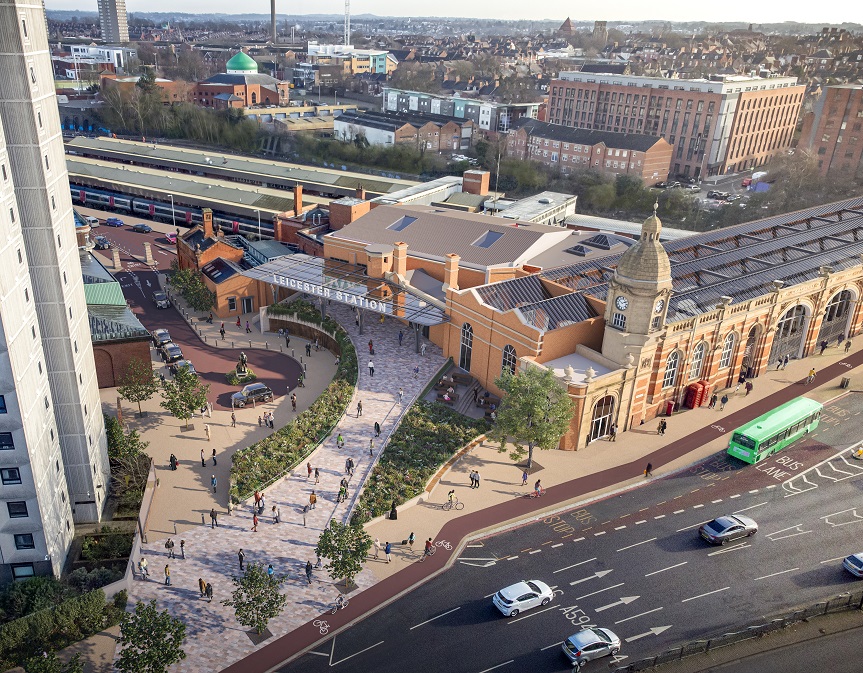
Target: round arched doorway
[(834, 324), (603, 418), (790, 332), (750, 352)]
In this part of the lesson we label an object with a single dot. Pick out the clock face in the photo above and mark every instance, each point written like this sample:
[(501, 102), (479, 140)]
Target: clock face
[(621, 303), (659, 306)]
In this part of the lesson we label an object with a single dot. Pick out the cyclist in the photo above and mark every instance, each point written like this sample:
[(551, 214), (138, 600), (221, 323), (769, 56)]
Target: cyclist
[(451, 496), (340, 602), (429, 545), (537, 488)]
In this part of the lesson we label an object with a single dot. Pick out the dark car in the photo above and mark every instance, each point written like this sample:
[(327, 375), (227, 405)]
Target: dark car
[(101, 243), (713, 194), (160, 299), (142, 228), (661, 185), (171, 353), (114, 222), (254, 392), (161, 337), (183, 364), (727, 528)]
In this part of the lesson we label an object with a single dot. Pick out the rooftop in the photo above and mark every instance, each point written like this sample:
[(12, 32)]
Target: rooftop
[(537, 206), (637, 142)]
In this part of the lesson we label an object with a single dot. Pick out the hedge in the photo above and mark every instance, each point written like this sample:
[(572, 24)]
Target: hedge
[(428, 436), (55, 628), (233, 378), (259, 464)]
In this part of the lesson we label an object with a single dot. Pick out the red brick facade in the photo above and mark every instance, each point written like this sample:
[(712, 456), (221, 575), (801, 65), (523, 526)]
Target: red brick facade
[(833, 131), (113, 359)]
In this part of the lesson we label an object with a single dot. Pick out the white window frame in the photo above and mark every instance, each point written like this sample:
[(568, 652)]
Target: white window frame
[(672, 364)]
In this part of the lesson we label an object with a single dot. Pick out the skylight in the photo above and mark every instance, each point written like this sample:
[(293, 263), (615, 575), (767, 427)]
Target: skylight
[(402, 223), (488, 239)]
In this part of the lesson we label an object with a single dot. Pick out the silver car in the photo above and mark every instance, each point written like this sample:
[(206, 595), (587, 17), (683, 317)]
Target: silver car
[(522, 596), (727, 528), (590, 644), (854, 564)]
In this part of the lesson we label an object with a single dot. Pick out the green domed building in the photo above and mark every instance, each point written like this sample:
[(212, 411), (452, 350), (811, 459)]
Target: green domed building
[(241, 86)]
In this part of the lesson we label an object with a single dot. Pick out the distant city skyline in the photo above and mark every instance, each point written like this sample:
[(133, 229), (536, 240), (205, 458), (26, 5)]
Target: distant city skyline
[(626, 10)]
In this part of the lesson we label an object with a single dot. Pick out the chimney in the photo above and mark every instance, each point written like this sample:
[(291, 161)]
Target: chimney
[(400, 259), (207, 214), (298, 200), (346, 210), (361, 192), (278, 233), (450, 272)]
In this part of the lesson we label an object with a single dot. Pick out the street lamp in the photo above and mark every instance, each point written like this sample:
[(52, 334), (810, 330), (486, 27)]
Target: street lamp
[(173, 217), (259, 223)]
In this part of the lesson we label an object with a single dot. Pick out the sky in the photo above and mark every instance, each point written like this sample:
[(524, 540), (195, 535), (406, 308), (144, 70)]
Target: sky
[(806, 11)]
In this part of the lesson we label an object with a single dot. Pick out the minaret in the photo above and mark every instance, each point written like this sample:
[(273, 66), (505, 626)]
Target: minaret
[(347, 22), (273, 31)]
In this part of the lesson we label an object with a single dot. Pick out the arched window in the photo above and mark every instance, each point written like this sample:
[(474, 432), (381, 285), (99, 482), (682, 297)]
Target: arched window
[(697, 361), (671, 366), (466, 346), (509, 361), (254, 98), (727, 351)]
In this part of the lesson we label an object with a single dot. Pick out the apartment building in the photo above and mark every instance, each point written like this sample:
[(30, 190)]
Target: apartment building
[(429, 132), (570, 149), (53, 459), (112, 20), (723, 126), (832, 131), (352, 61)]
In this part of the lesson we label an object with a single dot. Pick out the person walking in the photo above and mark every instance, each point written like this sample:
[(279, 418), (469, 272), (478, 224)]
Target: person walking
[(317, 476), (472, 479), (401, 336), (277, 514), (524, 477), (377, 429), (402, 392), (811, 377), (294, 402), (203, 461), (371, 369), (847, 345), (213, 518), (660, 429), (309, 571), (723, 402), (167, 575), (784, 362), (242, 557), (213, 482), (214, 456), (169, 545), (308, 350), (207, 430), (423, 349), (416, 371), (387, 551), (309, 467), (351, 461), (317, 346), (371, 348), (305, 511), (248, 328), (371, 447), (476, 478), (233, 420), (648, 471), (340, 442), (260, 421), (612, 433), (143, 568), (748, 387), (222, 331), (347, 465), (208, 590), (411, 539), (202, 586), (475, 392), (182, 549), (255, 522), (713, 398), (359, 408), (824, 346), (313, 500), (270, 570)]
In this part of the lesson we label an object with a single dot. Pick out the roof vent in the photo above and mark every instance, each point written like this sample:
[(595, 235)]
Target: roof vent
[(545, 200)]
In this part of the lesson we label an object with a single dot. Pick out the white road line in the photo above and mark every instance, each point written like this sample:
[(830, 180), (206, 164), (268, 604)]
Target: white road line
[(490, 595), (656, 572), (506, 663), (734, 496), (697, 506), (320, 654), (550, 646), (772, 486), (620, 528), (709, 593), (661, 516), (695, 525), (511, 558), (641, 614), (578, 539), (764, 577), (713, 502), (644, 509), (433, 618), (532, 614), (679, 511), (555, 546), (833, 560), (637, 523), (602, 532), (535, 551), (614, 586), (728, 549), (748, 508), (636, 544), (581, 563), (336, 663), (755, 491)]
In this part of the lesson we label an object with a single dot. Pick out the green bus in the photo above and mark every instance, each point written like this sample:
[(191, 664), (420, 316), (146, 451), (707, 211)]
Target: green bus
[(774, 430)]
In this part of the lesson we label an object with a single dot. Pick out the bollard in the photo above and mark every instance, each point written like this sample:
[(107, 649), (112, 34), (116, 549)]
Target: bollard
[(203, 523), (267, 345), (280, 348), (232, 344), (250, 344), (175, 528), (301, 358), (293, 354), (205, 338)]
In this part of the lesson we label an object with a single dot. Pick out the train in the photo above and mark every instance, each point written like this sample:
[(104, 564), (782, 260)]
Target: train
[(153, 209)]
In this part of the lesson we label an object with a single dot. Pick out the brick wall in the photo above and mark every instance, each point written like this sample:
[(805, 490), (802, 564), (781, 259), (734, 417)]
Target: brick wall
[(112, 359)]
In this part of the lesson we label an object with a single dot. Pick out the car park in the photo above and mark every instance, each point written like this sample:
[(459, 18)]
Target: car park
[(101, 243), (252, 393), (727, 528), (854, 564), (114, 222), (171, 352), (161, 337), (142, 228), (589, 644), (522, 596), (160, 299), (183, 364)]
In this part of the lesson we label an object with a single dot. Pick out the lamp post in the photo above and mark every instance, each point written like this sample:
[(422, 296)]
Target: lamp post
[(259, 223), (173, 217)]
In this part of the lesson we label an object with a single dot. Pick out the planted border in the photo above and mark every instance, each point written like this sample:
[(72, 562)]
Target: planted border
[(427, 437)]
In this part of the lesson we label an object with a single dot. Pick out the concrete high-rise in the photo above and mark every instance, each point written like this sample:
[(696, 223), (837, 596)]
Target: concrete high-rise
[(53, 459), (112, 20)]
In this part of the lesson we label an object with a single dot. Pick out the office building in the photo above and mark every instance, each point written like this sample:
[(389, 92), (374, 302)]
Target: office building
[(833, 129), (112, 20), (53, 459)]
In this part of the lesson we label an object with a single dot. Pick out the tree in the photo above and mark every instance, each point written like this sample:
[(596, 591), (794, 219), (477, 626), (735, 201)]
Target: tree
[(536, 411), (190, 284), (345, 547), (151, 641), (47, 662), (139, 382), (184, 395), (256, 598)]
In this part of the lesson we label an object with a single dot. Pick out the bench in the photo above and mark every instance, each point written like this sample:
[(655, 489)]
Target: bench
[(461, 379), (487, 401), (451, 401), (446, 384)]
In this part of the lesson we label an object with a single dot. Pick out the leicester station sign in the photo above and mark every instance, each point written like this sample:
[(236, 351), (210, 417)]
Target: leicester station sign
[(333, 293)]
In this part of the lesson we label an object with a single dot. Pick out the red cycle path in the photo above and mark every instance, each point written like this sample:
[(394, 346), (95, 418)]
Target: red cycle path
[(456, 531)]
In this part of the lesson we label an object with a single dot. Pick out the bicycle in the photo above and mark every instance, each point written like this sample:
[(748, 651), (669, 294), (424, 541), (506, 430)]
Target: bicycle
[(322, 625), (426, 554), (340, 604), (536, 494), (452, 504)]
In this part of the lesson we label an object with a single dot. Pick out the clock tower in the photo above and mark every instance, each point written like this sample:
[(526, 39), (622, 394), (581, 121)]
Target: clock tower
[(637, 296)]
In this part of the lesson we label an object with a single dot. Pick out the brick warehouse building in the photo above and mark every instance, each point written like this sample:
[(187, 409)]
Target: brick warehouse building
[(570, 149), (832, 131), (715, 127)]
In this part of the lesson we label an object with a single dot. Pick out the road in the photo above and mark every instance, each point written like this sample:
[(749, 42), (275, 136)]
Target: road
[(139, 281), (633, 563)]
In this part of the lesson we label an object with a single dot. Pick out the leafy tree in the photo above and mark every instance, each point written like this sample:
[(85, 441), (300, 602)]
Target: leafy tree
[(47, 662), (536, 411), (121, 444), (256, 598), (345, 547), (184, 395), (139, 382), (190, 284), (150, 640)]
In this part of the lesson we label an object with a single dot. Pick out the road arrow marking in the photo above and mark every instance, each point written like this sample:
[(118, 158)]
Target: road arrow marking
[(655, 631), (624, 600), (601, 573)]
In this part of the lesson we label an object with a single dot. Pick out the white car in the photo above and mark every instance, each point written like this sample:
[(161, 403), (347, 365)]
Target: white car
[(522, 596)]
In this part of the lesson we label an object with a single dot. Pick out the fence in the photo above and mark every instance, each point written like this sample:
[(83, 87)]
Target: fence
[(840, 603)]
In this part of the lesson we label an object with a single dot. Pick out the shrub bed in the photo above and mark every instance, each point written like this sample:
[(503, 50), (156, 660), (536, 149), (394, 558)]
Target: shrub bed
[(233, 379), (109, 543), (257, 465), (428, 436)]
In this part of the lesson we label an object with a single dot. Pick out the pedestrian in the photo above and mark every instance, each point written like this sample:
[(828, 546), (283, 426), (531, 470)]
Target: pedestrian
[(475, 392), (612, 433), (167, 575), (308, 350), (255, 522), (411, 540), (233, 420), (401, 336), (202, 586), (317, 476), (524, 477), (416, 371), (277, 514), (301, 381), (402, 392), (359, 408), (371, 348), (372, 446), (207, 430), (351, 461), (273, 419), (270, 570), (824, 345), (393, 512), (470, 476), (293, 402), (648, 471), (317, 347), (779, 363), (371, 369), (847, 345), (340, 441), (169, 545), (377, 546), (143, 568), (309, 571), (262, 505), (423, 350), (811, 377), (242, 557), (784, 362), (387, 551), (214, 455), (172, 461), (723, 402), (343, 494), (476, 478), (213, 482), (313, 499), (713, 399), (748, 387), (309, 467), (182, 549), (347, 465), (260, 421), (257, 497), (208, 590), (222, 332), (203, 461), (305, 511), (248, 328), (212, 518), (377, 429)]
